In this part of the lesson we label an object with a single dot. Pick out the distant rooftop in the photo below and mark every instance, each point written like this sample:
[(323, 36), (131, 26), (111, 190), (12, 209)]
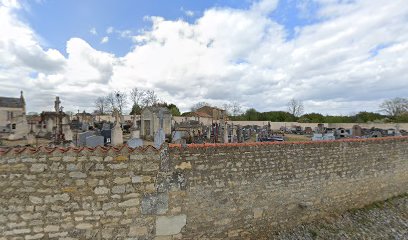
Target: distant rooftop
[(11, 102)]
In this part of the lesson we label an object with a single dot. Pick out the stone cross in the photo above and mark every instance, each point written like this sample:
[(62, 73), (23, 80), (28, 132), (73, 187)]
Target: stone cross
[(161, 118)]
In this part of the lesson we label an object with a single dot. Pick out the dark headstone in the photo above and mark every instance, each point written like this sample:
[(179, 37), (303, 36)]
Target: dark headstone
[(107, 135)]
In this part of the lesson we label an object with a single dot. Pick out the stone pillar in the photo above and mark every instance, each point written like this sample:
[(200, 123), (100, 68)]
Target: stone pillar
[(117, 134)]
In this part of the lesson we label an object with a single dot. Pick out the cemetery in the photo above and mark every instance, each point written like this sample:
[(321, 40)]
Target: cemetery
[(156, 125)]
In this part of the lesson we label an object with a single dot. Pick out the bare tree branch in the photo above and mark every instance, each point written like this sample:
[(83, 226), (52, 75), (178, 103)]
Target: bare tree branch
[(395, 107), (295, 107)]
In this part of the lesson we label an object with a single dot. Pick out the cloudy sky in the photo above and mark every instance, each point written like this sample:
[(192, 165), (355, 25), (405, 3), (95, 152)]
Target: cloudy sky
[(337, 56)]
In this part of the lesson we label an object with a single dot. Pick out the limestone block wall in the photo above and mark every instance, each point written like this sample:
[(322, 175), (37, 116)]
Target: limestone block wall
[(242, 190), (199, 192), (80, 193)]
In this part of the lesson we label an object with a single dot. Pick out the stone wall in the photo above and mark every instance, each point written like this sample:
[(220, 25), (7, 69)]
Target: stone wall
[(202, 191), (79, 193), (241, 190)]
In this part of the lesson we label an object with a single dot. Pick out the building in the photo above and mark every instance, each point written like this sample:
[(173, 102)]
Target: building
[(151, 121), (205, 115), (13, 122)]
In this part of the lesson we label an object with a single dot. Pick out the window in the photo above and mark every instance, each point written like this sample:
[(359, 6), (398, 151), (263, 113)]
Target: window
[(9, 115), (13, 126)]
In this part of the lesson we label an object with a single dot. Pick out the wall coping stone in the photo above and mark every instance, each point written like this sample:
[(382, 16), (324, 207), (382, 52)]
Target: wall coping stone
[(125, 149)]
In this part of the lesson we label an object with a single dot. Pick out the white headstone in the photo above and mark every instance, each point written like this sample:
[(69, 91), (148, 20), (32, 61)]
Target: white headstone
[(68, 135), (117, 135)]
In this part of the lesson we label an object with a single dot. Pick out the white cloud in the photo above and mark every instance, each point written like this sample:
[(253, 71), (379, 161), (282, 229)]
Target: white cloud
[(109, 30), (350, 60), (105, 39), (188, 13), (93, 31)]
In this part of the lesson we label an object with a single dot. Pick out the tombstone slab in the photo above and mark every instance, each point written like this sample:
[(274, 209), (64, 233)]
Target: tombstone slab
[(176, 136), (135, 142), (82, 138), (94, 141)]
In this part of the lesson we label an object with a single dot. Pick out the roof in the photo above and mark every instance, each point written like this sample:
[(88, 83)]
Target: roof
[(11, 102), (198, 114)]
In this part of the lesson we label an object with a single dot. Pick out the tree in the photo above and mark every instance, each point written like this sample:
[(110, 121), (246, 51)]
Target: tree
[(395, 107), (136, 109), (311, 118), (367, 117), (199, 105), (149, 99), (175, 111), (403, 118), (235, 108), (136, 96), (101, 105), (295, 107), (110, 102), (252, 115), (120, 100)]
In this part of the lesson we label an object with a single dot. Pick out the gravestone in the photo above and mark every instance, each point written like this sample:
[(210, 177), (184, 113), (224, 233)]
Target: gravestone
[(107, 135), (106, 126), (356, 131), (81, 138), (159, 138), (135, 142), (85, 127), (68, 135), (329, 136), (234, 137), (31, 138), (94, 141), (117, 134), (135, 128), (317, 137), (177, 135), (239, 134), (225, 133)]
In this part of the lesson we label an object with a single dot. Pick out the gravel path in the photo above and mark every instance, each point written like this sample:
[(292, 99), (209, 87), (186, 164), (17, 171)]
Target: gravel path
[(384, 220)]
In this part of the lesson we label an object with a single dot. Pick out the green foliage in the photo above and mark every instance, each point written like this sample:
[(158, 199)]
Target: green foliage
[(311, 118), (402, 118), (339, 119), (175, 111), (136, 109), (277, 116), (251, 115), (368, 117)]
